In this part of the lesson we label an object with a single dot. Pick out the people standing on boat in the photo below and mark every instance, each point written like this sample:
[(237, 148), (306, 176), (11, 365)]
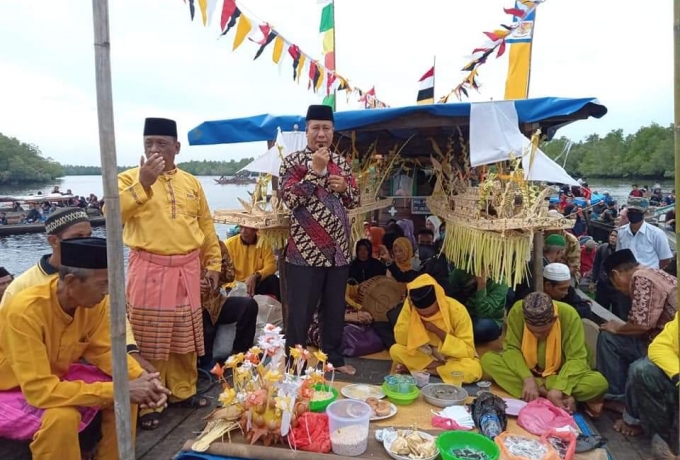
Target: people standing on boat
[(255, 266), (434, 333), (5, 280), (46, 332), (318, 188), (653, 295), (170, 232), (605, 293), (545, 355), (648, 243), (652, 393)]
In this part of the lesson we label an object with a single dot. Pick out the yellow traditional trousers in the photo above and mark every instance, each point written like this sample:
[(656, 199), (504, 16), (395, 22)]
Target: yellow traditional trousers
[(57, 438), (586, 387), (417, 361), (179, 375)]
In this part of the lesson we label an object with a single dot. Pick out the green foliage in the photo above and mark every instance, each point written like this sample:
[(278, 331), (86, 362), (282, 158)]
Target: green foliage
[(197, 168), (646, 154), (21, 162)]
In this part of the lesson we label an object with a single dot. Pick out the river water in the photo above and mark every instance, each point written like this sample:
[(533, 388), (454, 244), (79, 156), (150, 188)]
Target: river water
[(18, 253)]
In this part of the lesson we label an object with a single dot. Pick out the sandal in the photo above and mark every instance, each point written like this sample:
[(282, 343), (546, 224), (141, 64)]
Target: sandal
[(194, 402), (150, 421)]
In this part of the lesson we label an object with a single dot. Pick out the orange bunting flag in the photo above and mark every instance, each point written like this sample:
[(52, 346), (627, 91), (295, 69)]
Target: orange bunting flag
[(301, 66), (243, 28)]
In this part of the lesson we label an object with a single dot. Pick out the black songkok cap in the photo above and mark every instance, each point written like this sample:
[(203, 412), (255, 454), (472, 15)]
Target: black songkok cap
[(63, 218), (84, 253), (160, 127), (423, 297), (624, 256), (320, 113), (4, 272)]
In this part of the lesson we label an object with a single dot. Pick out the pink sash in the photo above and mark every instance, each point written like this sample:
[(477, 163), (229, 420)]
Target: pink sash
[(20, 421)]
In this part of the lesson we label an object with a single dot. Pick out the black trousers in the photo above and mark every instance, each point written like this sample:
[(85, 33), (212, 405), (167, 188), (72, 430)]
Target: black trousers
[(309, 287), (239, 310), (269, 286)]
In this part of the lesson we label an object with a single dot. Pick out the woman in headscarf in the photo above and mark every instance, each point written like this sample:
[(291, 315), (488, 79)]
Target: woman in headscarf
[(400, 261), (364, 266), (377, 234), (407, 226), (433, 223), (545, 355)]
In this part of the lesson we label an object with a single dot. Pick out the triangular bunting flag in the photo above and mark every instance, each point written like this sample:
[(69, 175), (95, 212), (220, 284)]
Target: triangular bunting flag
[(278, 49), (228, 10), (232, 21), (242, 30), (203, 6), (270, 38), (192, 9)]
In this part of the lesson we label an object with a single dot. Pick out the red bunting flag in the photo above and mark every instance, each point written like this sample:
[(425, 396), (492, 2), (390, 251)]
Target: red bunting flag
[(228, 10)]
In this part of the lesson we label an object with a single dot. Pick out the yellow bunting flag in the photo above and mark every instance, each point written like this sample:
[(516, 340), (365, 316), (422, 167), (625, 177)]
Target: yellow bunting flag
[(519, 64), (278, 49), (203, 6), (242, 30), (301, 66)]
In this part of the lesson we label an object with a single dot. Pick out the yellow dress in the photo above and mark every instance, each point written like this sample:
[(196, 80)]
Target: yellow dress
[(458, 346), (38, 343), (664, 351)]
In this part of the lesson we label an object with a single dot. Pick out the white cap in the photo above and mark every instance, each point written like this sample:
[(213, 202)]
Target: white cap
[(556, 272)]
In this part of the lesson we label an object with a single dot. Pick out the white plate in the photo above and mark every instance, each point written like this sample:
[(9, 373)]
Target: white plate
[(393, 411), (362, 392), (389, 439)]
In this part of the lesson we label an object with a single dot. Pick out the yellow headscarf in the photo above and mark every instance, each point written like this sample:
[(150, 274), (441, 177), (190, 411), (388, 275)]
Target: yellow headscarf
[(405, 245), (417, 334), (553, 347)]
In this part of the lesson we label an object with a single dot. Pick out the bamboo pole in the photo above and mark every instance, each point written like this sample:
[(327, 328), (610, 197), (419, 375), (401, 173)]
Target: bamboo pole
[(537, 269), (114, 227), (676, 53)]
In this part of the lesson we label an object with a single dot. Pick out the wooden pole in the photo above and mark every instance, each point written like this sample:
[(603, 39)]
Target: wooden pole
[(676, 53), (114, 227), (537, 269)]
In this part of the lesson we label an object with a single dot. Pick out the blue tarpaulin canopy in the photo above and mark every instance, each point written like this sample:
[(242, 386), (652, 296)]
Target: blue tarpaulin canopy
[(551, 113)]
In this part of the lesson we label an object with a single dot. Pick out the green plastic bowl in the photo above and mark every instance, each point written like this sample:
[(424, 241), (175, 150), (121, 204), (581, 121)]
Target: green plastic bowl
[(449, 441), (401, 399), (320, 406)]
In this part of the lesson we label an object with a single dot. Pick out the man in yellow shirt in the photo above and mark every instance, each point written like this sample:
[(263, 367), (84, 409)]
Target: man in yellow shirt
[(171, 236), (652, 389), (46, 394), (434, 333), (254, 266), (64, 224)]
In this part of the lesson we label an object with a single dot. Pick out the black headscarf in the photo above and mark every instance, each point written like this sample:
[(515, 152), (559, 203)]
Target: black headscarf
[(363, 271)]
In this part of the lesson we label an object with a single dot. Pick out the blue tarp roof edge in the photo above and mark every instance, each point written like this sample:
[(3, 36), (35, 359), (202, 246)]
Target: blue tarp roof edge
[(263, 127)]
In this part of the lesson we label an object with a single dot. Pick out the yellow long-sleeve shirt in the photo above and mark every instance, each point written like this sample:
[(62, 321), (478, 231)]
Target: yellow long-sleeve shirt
[(249, 259), (43, 273), (39, 341), (664, 350), (173, 218)]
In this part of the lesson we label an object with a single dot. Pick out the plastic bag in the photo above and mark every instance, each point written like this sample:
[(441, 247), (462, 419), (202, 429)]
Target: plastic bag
[(360, 341), (269, 311), (311, 433), (564, 443), (239, 290), (515, 447), (540, 416)]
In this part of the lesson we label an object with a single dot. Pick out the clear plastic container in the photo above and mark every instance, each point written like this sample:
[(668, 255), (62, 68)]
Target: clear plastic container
[(348, 422)]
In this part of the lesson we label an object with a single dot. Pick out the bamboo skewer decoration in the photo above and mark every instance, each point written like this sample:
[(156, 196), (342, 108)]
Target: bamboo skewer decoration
[(490, 225)]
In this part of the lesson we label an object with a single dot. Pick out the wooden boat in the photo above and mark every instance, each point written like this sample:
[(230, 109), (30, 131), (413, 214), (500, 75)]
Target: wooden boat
[(236, 180), (39, 227)]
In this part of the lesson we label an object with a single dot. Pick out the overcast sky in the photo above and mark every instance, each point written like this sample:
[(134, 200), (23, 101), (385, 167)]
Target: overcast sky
[(619, 51)]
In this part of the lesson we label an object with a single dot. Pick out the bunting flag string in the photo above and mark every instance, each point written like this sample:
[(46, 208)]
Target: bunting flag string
[(321, 77), (496, 43)]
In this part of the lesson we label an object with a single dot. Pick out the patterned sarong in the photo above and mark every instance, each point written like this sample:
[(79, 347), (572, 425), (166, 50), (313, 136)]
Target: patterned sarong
[(20, 421), (164, 304)]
